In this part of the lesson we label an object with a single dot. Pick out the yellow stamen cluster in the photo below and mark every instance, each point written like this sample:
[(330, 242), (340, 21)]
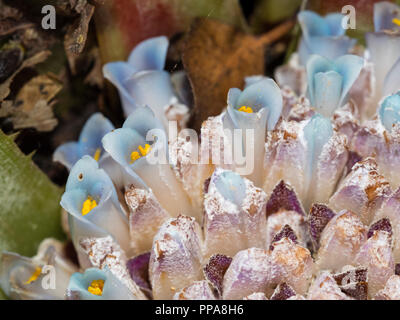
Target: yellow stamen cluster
[(34, 275), (396, 21), (246, 109), (88, 205), (96, 287), (97, 154), (143, 152)]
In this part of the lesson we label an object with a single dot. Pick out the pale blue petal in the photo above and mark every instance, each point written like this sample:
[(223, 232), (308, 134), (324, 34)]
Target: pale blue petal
[(328, 88), (121, 143), (322, 36), (384, 51), (15, 270), (389, 111), (150, 54), (334, 22), (86, 175), (392, 80), (248, 81), (317, 133), (243, 120), (93, 131), (119, 174), (142, 120), (330, 81), (384, 13), (67, 154), (113, 288), (330, 47), (233, 96), (262, 94), (231, 186), (151, 88), (313, 24), (349, 67), (304, 52), (117, 73), (316, 64)]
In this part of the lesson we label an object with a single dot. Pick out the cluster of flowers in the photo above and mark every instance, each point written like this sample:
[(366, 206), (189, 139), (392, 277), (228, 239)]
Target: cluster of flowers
[(318, 218)]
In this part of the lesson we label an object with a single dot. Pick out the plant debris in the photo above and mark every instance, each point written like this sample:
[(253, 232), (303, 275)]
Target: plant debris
[(218, 57), (32, 107)]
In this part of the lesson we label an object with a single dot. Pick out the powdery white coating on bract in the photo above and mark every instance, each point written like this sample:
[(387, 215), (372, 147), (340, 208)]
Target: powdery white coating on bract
[(185, 162), (256, 296), (212, 141), (178, 112), (285, 157), (290, 99), (145, 218), (105, 253), (301, 111), (291, 263), (243, 224), (249, 272), (391, 210), (367, 137), (200, 290), (293, 75), (325, 287), (340, 241), (276, 221), (376, 254), (391, 291), (346, 121), (362, 191), (176, 257), (331, 163), (363, 90)]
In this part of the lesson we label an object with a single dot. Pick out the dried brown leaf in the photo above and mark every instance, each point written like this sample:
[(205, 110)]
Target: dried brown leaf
[(75, 38), (37, 58), (218, 57), (32, 107), (11, 20)]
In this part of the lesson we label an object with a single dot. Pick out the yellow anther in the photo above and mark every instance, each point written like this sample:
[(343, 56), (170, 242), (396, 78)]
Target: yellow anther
[(396, 21), (88, 205), (97, 154), (144, 151), (96, 287), (134, 156), (34, 275), (246, 109)]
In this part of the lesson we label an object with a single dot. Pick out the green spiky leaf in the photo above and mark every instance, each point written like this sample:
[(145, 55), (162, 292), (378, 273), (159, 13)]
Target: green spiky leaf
[(29, 202)]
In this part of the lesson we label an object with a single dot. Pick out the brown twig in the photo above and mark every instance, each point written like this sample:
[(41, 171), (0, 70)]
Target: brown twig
[(276, 33)]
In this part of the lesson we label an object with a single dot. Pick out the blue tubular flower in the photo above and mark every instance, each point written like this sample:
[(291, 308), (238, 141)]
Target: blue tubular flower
[(96, 284), (389, 111), (137, 78), (92, 203), (89, 142), (384, 49), (257, 107), (323, 36), (385, 15), (317, 133), (329, 81), (42, 277), (144, 159)]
